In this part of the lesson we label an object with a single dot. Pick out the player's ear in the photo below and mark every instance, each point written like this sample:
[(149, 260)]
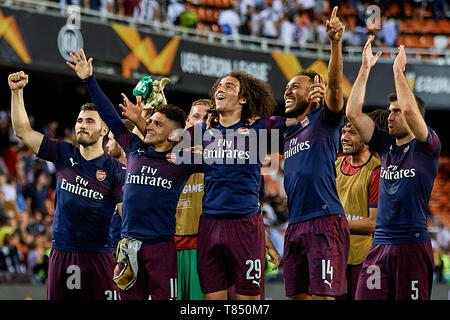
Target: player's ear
[(175, 135), (105, 129)]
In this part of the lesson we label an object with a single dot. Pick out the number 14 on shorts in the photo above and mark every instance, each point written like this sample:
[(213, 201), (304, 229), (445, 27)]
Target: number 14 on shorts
[(327, 272)]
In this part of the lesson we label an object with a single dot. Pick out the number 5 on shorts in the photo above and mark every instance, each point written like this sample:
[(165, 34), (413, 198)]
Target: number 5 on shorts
[(415, 290)]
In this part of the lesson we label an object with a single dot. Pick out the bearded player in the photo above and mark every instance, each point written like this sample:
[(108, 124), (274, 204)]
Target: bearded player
[(401, 252), (357, 183), (89, 186), (317, 238)]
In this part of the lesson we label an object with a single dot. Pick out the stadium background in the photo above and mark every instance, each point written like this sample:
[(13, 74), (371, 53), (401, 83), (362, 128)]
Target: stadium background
[(36, 36)]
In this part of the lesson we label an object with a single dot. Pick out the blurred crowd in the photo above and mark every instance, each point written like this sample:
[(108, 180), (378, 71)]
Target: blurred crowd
[(27, 186), (302, 22), (440, 241), (294, 22)]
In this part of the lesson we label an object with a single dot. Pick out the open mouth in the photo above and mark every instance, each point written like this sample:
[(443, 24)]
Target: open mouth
[(288, 100), (346, 146), (150, 134)]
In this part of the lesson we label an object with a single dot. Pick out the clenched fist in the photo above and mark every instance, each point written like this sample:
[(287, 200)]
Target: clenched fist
[(17, 80)]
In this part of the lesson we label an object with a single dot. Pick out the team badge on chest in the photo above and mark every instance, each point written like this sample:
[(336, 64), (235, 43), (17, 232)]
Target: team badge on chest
[(171, 157), (243, 131), (304, 121), (101, 175)]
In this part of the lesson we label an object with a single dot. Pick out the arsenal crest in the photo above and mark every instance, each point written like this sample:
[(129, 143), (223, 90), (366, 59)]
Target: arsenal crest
[(101, 175), (304, 122), (171, 157), (243, 130)]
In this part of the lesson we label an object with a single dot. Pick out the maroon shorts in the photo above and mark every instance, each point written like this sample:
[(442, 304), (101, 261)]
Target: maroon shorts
[(231, 252), (398, 271), (157, 273), (80, 276), (353, 271), (315, 256)]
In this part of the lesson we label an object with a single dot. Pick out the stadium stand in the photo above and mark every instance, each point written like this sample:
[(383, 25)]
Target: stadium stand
[(439, 202)]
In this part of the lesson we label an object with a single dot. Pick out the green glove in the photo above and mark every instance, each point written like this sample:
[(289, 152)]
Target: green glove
[(156, 96), (143, 88)]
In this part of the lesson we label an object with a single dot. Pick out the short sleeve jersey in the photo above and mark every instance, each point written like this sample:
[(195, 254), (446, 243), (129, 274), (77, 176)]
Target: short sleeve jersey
[(310, 153), (87, 192), (406, 180)]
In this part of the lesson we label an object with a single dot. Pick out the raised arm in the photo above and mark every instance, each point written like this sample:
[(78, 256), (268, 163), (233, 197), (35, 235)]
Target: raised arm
[(333, 96), (406, 100), (135, 113), (362, 122), (84, 70), (19, 117)]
